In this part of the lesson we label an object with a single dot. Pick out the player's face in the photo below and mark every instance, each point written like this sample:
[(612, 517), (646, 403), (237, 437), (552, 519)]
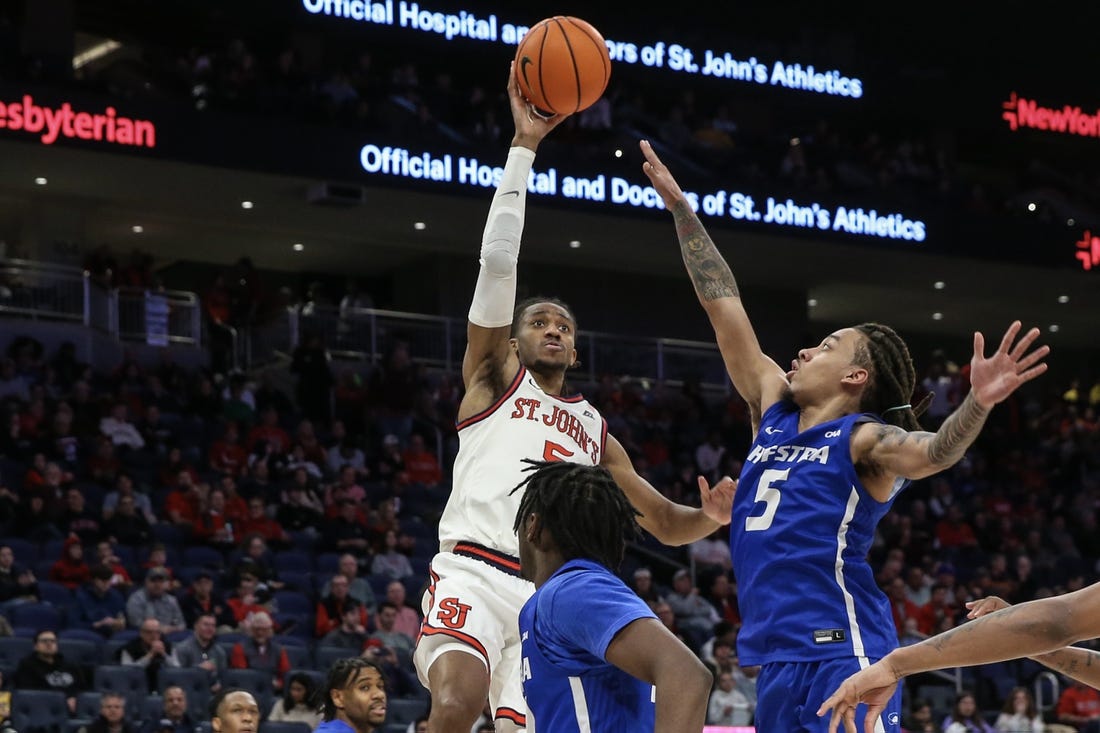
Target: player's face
[(545, 339), (363, 700), (238, 713), (821, 371)]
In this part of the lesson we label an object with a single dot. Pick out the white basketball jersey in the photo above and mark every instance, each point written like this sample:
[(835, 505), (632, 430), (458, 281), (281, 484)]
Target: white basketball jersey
[(524, 423)]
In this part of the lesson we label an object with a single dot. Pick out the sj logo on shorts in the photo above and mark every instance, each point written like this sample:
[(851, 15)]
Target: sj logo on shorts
[(452, 614)]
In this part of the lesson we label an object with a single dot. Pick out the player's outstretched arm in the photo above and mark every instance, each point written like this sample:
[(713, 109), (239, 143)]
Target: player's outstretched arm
[(671, 523), (758, 379), (914, 455), (1082, 665), (647, 650), (1032, 629), (487, 349)]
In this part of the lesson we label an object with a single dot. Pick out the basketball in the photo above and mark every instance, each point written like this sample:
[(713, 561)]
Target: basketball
[(562, 65)]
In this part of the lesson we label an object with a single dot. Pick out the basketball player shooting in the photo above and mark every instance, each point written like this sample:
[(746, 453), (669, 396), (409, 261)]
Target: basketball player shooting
[(514, 372), (835, 439)]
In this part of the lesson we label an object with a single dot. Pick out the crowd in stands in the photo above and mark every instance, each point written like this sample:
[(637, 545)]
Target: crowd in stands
[(214, 534)]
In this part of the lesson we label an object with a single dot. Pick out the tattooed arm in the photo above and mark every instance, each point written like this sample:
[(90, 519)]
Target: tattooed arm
[(758, 379), (1038, 629), (889, 451)]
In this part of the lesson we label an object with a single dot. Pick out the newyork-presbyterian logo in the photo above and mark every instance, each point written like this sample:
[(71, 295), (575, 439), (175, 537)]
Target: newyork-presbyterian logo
[(54, 123), (1020, 112)]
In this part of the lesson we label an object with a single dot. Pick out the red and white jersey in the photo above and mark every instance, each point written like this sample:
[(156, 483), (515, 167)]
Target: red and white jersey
[(524, 423)]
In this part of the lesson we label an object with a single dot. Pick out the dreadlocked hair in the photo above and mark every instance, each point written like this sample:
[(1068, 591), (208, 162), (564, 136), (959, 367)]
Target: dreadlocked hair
[(582, 507), (892, 376)]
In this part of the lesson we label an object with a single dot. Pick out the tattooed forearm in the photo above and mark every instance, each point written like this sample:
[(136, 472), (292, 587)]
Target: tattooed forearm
[(709, 272), (957, 432)]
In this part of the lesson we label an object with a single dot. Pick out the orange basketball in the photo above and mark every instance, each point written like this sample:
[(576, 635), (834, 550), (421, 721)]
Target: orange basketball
[(562, 65)]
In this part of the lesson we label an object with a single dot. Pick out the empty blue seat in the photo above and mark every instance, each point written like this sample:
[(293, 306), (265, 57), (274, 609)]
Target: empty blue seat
[(202, 556), (13, 649), (37, 616), (39, 709), (295, 561)]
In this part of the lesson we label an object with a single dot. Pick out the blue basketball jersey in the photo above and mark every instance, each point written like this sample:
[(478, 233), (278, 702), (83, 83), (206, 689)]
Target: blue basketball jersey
[(802, 526), (566, 627)]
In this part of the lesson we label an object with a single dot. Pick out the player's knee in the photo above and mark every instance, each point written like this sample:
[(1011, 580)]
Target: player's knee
[(452, 708)]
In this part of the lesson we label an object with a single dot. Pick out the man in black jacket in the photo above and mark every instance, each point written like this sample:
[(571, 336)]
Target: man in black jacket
[(45, 669)]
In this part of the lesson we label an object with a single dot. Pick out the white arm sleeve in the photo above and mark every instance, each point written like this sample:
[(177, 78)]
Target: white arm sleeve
[(495, 292)]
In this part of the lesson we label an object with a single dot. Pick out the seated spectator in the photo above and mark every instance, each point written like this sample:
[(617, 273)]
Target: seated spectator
[(399, 682), (250, 598), (174, 717), (154, 601), (227, 455), (422, 467), (407, 620), (1019, 713), (300, 510), (269, 431), (212, 527), (347, 532), (70, 570), (77, 519), (346, 453), (358, 588), (256, 556), (104, 466), (260, 651), (99, 606), (45, 669), (112, 715), (120, 576), (346, 486), (723, 596), (384, 521), (201, 650), (259, 523), (236, 508), (331, 608), (120, 430), (965, 717), (34, 522), (389, 465), (644, 585), (1079, 707), (182, 505), (389, 561), (385, 632), (175, 464), (149, 651), (17, 582), (694, 616), (297, 705), (920, 718), (201, 600), (728, 706), (258, 481), (351, 634), (127, 525), (158, 558)]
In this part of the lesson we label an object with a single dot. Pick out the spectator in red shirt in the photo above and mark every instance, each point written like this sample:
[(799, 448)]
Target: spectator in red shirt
[(257, 522), (70, 570), (933, 612), (182, 505), (421, 465), (227, 455), (954, 531), (213, 528), (900, 605), (269, 430), (236, 508), (331, 608), (105, 556), (244, 601), (260, 651), (1079, 706)]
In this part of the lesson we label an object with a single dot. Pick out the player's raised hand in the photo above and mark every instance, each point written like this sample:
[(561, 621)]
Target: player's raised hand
[(996, 377), (663, 182), (717, 502), (531, 127), (874, 685), (982, 606)]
